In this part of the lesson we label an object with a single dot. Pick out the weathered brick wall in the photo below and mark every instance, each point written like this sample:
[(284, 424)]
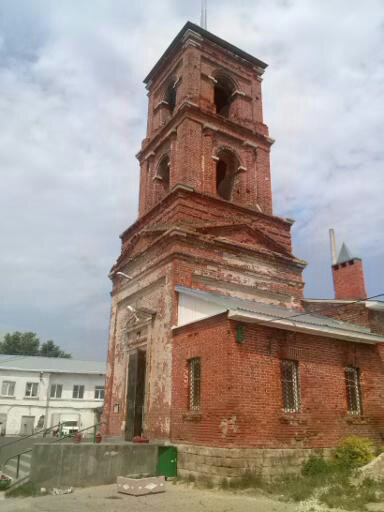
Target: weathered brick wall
[(152, 291), (354, 313), (349, 281), (242, 395), (348, 312), (376, 321)]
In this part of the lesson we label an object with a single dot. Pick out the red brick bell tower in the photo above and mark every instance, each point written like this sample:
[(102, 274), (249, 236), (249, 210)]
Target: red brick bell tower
[(205, 220)]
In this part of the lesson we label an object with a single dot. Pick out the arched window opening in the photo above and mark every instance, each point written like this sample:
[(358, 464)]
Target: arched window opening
[(163, 171), (226, 167), (170, 95), (223, 91)]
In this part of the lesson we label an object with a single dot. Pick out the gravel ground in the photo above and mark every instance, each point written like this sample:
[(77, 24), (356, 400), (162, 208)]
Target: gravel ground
[(177, 498)]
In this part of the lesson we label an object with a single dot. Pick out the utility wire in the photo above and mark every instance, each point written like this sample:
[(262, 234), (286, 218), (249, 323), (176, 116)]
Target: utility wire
[(335, 307)]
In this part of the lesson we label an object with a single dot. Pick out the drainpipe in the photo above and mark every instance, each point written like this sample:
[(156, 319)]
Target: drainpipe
[(47, 402)]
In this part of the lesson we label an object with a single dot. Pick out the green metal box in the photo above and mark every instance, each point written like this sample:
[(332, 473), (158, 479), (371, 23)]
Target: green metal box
[(167, 461)]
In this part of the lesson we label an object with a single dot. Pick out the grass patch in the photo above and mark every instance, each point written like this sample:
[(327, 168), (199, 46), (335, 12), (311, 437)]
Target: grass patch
[(25, 490), (353, 497), (330, 482)]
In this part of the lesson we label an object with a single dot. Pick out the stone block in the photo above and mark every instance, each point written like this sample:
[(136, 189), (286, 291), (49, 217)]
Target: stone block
[(140, 486)]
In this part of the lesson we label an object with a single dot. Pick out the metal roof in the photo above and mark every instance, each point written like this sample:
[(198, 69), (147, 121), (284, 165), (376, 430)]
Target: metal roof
[(211, 37), (344, 255), (276, 313), (51, 364)]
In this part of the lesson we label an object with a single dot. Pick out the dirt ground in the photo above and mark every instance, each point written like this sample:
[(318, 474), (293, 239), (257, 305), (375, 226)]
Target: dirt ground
[(177, 498)]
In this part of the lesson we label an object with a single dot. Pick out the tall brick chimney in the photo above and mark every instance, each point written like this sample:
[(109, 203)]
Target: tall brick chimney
[(348, 273)]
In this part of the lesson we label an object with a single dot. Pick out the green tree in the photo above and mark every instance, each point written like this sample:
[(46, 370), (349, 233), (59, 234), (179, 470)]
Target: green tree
[(49, 349), (28, 344), (20, 343)]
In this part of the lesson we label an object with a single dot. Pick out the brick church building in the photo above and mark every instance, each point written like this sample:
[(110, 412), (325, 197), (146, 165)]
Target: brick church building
[(212, 346)]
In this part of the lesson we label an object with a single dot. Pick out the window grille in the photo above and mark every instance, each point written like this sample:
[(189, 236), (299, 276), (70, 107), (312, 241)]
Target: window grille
[(56, 390), (31, 389), (8, 388), (290, 385), (99, 392), (352, 380), (78, 391), (194, 383)]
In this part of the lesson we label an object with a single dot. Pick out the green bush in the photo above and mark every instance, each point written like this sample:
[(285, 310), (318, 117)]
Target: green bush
[(316, 466), (354, 452)]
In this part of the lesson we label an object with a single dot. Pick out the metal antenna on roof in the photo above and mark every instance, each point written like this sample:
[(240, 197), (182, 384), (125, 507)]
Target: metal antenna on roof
[(203, 17)]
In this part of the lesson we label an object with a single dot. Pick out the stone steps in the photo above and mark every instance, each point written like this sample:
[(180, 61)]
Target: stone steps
[(10, 467)]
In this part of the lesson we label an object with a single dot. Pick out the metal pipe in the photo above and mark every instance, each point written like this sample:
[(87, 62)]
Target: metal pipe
[(332, 239)]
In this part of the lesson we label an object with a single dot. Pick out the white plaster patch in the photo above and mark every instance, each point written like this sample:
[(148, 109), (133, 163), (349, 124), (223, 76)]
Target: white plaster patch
[(228, 426)]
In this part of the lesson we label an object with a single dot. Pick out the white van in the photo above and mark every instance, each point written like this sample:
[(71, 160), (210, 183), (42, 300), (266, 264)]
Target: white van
[(69, 428)]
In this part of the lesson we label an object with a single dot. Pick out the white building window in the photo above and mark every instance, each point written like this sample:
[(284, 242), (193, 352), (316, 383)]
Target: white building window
[(99, 392), (31, 389), (8, 388), (56, 390), (78, 391)]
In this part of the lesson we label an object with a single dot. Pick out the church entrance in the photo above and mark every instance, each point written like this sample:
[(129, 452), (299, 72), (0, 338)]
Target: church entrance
[(135, 394)]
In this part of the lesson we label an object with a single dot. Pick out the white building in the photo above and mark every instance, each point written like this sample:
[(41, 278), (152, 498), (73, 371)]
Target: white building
[(40, 392)]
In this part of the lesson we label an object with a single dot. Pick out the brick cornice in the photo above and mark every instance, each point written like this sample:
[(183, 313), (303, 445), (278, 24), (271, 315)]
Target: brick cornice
[(189, 110), (191, 239), (181, 191)]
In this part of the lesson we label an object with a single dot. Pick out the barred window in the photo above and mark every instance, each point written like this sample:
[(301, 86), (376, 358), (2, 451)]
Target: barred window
[(352, 380), (290, 385), (194, 370)]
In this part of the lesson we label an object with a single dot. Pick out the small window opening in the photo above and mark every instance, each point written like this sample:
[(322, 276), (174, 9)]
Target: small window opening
[(223, 96), (170, 95), (194, 376), (352, 380), (290, 385), (225, 174), (56, 390), (163, 171)]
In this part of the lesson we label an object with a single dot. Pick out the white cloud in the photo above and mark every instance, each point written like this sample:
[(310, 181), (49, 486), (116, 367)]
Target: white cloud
[(72, 116)]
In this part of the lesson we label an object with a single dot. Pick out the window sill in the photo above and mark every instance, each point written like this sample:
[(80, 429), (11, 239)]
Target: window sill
[(31, 398), (292, 418), (8, 396), (357, 419), (193, 416)]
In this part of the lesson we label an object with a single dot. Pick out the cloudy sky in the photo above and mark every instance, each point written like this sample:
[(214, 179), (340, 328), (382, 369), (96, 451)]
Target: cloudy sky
[(72, 116)]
